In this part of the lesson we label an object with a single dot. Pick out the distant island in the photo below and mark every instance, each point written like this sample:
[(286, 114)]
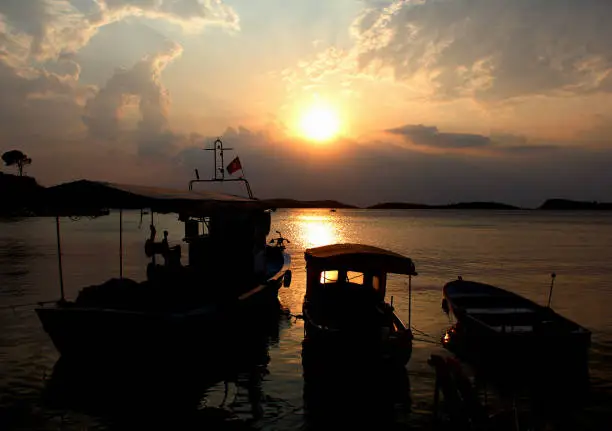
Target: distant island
[(20, 195), (456, 206), (23, 196), (565, 204), (293, 203)]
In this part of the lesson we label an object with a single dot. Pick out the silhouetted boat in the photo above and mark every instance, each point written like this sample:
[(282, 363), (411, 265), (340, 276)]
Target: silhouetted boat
[(344, 306), (231, 275), (498, 326)]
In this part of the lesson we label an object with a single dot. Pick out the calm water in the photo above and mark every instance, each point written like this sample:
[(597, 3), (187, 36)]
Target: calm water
[(515, 250)]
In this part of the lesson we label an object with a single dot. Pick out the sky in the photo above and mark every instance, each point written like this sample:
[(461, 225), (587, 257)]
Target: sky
[(364, 101)]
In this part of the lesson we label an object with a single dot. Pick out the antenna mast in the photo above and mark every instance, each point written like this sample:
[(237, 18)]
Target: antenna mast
[(219, 169), (219, 161)]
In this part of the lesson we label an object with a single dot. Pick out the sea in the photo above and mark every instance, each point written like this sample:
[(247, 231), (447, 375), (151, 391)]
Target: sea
[(515, 250)]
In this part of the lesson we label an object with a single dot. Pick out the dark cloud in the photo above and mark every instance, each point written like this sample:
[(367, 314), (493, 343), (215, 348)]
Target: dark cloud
[(495, 145), (431, 137), (492, 49)]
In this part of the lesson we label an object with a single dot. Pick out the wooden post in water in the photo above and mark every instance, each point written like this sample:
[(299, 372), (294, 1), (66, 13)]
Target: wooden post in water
[(59, 258), (120, 244)]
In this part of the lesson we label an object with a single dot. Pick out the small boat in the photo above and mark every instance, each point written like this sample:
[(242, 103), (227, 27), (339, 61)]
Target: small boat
[(495, 325), (345, 306), (185, 306)]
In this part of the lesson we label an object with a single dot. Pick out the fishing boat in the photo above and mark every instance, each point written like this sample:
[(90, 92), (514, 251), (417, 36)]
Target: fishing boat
[(497, 326), (186, 304), (344, 306)]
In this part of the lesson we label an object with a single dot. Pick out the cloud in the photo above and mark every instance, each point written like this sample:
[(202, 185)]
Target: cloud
[(55, 27), (431, 137), (183, 12), (37, 104), (423, 137), (490, 49), (47, 110), (141, 82)]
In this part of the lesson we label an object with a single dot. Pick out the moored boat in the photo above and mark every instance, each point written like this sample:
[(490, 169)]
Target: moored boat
[(344, 306), (496, 326), (231, 274)]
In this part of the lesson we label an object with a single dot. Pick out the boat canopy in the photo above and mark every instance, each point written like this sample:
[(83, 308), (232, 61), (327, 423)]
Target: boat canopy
[(359, 257), (76, 196)]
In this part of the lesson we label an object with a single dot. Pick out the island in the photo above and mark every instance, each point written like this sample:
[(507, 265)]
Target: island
[(566, 204), (293, 203), (21, 195), (455, 206)]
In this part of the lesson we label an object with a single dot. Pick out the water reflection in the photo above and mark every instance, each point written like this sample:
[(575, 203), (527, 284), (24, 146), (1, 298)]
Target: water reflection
[(352, 390), (221, 390), (317, 230)]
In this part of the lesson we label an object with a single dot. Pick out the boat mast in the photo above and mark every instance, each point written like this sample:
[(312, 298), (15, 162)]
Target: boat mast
[(219, 168), (218, 149)]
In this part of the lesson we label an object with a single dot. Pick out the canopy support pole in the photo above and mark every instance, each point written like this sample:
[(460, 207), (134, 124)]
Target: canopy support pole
[(121, 244), (152, 239), (59, 258), (409, 301)]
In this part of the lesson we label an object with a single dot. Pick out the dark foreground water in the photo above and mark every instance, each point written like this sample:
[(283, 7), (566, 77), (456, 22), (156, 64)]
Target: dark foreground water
[(261, 384)]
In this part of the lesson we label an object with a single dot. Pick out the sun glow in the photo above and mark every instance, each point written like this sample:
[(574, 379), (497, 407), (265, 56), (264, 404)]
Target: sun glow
[(319, 123), (317, 230)]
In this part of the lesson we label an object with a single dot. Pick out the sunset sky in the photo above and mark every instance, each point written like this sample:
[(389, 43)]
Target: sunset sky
[(365, 101)]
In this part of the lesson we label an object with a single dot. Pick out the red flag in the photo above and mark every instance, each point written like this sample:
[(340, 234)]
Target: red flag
[(234, 166)]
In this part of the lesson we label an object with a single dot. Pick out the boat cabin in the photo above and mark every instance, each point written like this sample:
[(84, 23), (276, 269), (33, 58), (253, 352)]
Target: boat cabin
[(353, 266), (346, 283), (225, 235)]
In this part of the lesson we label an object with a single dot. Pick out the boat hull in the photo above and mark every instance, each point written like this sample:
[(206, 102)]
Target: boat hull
[(122, 334), (392, 345), (523, 335)]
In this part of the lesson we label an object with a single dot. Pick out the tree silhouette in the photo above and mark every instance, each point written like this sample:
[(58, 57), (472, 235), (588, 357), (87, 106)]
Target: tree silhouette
[(16, 158)]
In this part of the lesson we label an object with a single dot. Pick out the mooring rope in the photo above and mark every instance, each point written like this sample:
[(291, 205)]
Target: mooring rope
[(29, 304), (428, 338)]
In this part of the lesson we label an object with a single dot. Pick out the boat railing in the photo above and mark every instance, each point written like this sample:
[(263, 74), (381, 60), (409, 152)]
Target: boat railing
[(224, 180)]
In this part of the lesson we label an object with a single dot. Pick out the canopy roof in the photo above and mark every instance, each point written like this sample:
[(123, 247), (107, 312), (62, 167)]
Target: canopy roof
[(84, 194), (359, 257)]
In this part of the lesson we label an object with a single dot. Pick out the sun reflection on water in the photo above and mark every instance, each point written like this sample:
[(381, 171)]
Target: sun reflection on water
[(318, 230)]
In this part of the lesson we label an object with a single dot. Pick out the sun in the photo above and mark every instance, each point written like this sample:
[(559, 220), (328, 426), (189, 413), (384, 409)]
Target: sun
[(319, 123)]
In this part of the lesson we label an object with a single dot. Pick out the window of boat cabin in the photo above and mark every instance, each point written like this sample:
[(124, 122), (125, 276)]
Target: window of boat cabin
[(196, 227), (376, 282), (354, 277), (328, 277)]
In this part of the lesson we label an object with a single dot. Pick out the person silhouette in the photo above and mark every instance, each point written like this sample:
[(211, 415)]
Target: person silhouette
[(172, 255)]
